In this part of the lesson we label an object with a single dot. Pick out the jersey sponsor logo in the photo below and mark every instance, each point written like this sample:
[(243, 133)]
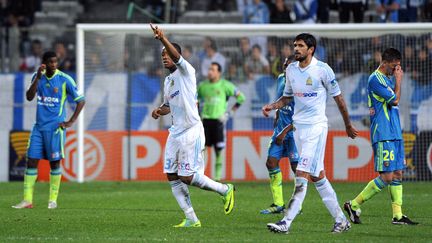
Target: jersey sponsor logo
[(309, 94), (371, 111), (47, 101), (174, 94)]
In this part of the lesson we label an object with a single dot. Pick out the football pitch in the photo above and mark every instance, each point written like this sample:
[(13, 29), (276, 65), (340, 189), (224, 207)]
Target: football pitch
[(146, 211)]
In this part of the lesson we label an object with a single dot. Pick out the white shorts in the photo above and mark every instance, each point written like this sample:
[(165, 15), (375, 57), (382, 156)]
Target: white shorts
[(311, 143), (184, 153)]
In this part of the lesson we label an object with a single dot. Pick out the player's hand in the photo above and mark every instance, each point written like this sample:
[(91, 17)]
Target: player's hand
[(66, 124), (398, 73), (156, 113), (157, 33), (40, 70), (266, 110), (351, 131), (280, 138), (225, 117)]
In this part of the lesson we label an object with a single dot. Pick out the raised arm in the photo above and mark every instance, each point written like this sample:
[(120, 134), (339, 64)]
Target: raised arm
[(172, 52), (349, 128), (398, 74), (32, 89)]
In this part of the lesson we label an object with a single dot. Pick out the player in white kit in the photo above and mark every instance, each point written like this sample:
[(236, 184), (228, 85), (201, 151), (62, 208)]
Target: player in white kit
[(183, 161), (308, 82)]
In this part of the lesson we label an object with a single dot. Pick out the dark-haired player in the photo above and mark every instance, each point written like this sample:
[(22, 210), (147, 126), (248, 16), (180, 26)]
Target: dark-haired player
[(386, 135), (184, 162), (47, 138)]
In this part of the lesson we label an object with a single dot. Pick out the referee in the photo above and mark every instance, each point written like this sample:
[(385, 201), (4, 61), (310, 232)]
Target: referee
[(213, 94)]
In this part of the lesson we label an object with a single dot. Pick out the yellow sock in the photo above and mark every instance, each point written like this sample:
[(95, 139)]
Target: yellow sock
[(55, 178), (372, 188), (276, 186), (395, 190), (29, 182)]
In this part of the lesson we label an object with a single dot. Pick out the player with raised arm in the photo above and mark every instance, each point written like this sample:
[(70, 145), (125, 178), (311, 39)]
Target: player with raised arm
[(309, 81), (47, 138), (386, 135), (183, 161), (214, 94), (282, 144)]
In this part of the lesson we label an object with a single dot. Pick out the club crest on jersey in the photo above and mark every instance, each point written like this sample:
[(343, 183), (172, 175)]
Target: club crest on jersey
[(55, 90), (172, 83), (309, 81)]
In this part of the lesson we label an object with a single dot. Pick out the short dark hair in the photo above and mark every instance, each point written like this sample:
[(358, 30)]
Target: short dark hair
[(257, 46), (177, 47), (47, 55), (219, 67), (391, 54), (309, 40)]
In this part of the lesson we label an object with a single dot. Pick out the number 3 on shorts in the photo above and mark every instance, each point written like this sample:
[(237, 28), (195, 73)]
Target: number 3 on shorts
[(387, 154)]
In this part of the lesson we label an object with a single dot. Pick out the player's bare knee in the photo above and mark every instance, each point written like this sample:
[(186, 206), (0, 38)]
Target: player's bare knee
[(303, 174), (319, 177), (186, 179), (32, 163), (54, 165), (387, 177), (271, 163)]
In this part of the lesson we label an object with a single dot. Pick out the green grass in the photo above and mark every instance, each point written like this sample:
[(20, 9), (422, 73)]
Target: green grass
[(146, 211)]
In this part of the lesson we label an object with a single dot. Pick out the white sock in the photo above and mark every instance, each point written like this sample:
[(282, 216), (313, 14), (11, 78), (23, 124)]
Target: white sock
[(329, 198), (181, 194), (203, 182), (296, 200)]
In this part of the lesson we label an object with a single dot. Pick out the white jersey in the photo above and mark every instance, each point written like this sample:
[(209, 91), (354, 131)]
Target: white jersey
[(309, 87), (180, 94)]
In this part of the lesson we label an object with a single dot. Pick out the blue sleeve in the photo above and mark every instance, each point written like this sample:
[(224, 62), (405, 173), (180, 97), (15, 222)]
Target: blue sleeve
[(380, 88), (71, 89), (313, 9)]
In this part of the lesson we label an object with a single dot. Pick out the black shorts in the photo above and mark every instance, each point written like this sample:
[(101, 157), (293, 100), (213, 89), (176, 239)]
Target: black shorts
[(214, 131)]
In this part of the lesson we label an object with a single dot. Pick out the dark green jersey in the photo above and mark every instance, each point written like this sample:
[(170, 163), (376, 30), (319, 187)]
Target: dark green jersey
[(214, 97)]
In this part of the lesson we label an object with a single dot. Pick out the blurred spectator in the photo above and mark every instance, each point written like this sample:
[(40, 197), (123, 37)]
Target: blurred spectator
[(280, 13), (337, 62), (422, 66), (256, 12), (306, 11), (13, 42), (427, 11), (387, 10), (408, 10), (274, 58), (221, 5), (373, 62), (211, 55), (188, 54), (66, 63), (234, 73), (429, 46), (256, 64), (33, 61), (408, 60), (245, 49), (356, 7), (323, 12)]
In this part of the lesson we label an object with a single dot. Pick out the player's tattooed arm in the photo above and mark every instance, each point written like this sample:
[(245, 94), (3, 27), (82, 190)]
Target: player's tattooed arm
[(32, 89), (281, 102), (281, 136), (161, 111), (172, 52), (349, 128)]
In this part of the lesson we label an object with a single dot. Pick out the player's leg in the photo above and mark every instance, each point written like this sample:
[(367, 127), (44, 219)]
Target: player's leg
[(382, 163), (54, 142), (179, 189), (275, 176), (290, 151), (35, 151), (191, 167), (302, 175), (219, 146), (322, 184), (395, 187)]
